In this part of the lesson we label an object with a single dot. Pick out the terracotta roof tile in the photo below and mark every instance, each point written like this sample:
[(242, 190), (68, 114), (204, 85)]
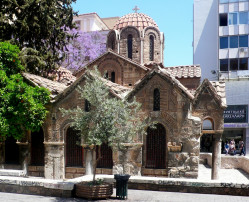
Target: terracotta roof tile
[(190, 71), (138, 20), (53, 86)]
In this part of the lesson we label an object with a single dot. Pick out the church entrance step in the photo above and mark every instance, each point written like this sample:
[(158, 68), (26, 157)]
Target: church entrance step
[(14, 173)]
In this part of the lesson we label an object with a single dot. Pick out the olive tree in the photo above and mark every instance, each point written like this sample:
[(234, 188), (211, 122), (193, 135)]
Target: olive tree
[(110, 120)]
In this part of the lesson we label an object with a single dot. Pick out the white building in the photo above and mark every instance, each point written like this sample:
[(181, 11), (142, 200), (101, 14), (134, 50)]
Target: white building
[(221, 30), (92, 22)]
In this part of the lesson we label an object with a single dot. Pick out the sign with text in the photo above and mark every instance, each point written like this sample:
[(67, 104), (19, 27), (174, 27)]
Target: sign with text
[(236, 114)]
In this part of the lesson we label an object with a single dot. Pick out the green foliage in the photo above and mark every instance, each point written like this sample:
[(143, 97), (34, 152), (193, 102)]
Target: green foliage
[(110, 120), (39, 25), (21, 105), (9, 61)]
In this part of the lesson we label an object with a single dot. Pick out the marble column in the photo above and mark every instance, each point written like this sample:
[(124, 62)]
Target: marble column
[(54, 160), (216, 155)]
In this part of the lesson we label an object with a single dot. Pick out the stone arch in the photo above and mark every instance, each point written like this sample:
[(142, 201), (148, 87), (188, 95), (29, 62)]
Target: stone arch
[(110, 65), (156, 85), (152, 31), (112, 38), (206, 140), (136, 43), (155, 152)]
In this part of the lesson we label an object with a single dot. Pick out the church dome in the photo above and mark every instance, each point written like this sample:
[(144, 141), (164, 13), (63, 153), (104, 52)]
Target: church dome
[(138, 20)]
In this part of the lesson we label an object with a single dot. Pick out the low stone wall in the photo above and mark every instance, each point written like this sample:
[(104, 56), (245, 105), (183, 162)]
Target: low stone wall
[(224, 189), (228, 162), (36, 187), (73, 172), (106, 171), (36, 171), (154, 172)]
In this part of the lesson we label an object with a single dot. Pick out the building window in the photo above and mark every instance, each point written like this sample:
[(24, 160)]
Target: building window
[(106, 75), (87, 105), (233, 64), (223, 1), (243, 18), (233, 42), (243, 63), (224, 65), (151, 48), (243, 41), (129, 46), (232, 19), (156, 106), (223, 19), (113, 77), (223, 42)]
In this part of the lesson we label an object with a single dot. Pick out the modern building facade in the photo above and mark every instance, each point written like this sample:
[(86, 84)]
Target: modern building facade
[(221, 29)]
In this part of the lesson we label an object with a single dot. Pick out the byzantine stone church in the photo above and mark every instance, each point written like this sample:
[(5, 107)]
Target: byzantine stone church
[(183, 107)]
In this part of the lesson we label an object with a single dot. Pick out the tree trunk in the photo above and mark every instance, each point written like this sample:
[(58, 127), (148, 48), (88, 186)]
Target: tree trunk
[(96, 160), (89, 161)]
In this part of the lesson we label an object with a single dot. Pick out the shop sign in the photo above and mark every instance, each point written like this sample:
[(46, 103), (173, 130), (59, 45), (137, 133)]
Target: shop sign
[(236, 114)]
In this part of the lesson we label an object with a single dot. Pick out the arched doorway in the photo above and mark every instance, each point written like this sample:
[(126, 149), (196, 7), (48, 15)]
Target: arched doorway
[(37, 148), (156, 147), (106, 156), (74, 152), (206, 142), (11, 151)]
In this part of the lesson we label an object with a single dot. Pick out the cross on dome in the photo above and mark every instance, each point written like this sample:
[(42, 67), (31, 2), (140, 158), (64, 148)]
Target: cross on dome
[(136, 9)]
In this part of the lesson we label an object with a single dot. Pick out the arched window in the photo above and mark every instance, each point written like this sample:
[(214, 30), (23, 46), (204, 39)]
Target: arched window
[(87, 105), (37, 148), (156, 147), (112, 44), (74, 152), (207, 125), (106, 75), (156, 106), (151, 48), (129, 46), (113, 77)]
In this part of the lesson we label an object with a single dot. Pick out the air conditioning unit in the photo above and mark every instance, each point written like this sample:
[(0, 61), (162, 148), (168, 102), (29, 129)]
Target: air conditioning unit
[(243, 50)]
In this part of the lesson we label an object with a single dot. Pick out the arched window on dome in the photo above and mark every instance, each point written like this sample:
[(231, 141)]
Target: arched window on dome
[(151, 48), (156, 104), (113, 77), (129, 46)]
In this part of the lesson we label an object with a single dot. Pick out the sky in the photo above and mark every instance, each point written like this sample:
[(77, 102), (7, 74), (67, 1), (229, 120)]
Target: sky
[(174, 18)]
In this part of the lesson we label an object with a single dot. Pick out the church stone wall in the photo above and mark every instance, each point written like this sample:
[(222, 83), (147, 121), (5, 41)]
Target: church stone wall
[(126, 73), (157, 45), (180, 127), (136, 43)]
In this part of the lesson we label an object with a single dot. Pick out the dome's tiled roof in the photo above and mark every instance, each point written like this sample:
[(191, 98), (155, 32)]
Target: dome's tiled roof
[(138, 20)]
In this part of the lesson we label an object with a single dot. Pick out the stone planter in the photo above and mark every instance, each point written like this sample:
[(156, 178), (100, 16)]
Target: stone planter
[(173, 147), (103, 191)]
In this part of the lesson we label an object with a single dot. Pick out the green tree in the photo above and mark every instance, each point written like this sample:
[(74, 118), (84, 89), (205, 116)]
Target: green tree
[(110, 120), (41, 26), (22, 107)]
